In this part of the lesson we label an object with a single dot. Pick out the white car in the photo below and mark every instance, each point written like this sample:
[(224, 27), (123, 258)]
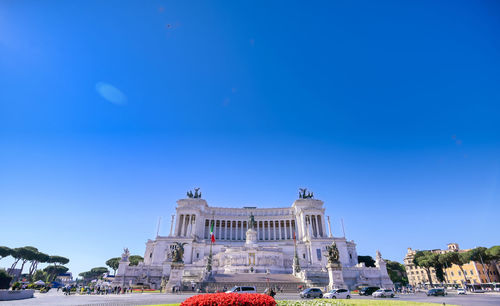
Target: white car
[(242, 289), (383, 293), (461, 291), (338, 294)]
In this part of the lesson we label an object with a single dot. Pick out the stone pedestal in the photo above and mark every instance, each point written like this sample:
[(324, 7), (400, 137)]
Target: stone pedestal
[(335, 275), (251, 238), (175, 280)]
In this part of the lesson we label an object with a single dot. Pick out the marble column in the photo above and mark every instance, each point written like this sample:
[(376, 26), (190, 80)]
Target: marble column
[(329, 227), (317, 226), (188, 230), (172, 225), (303, 225), (184, 225), (279, 229), (178, 227)]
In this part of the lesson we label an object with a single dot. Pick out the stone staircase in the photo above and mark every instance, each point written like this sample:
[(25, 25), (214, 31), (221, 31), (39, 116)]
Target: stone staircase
[(286, 282)]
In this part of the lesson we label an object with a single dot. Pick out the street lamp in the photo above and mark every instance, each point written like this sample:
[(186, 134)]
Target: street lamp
[(267, 277)]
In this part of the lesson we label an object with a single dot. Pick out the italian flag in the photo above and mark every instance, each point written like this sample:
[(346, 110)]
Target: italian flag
[(212, 236)]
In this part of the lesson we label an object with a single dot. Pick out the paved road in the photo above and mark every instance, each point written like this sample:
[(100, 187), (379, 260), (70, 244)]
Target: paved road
[(57, 298)]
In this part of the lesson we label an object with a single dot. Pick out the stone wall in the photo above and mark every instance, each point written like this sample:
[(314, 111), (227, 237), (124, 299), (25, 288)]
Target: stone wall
[(9, 295)]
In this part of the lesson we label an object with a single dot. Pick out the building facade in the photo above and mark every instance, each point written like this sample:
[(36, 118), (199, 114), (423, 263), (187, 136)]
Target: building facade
[(473, 272), (272, 250)]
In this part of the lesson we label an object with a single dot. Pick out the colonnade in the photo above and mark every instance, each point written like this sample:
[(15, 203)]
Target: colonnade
[(234, 230), (185, 225), (314, 226)]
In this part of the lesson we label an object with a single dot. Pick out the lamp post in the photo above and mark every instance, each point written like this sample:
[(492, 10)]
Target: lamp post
[(267, 277)]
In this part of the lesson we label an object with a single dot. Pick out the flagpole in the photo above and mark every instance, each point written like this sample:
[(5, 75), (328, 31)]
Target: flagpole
[(212, 238), (296, 264)]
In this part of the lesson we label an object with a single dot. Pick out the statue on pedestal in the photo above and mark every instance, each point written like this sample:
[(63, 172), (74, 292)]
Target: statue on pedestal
[(251, 234), (125, 255), (178, 252), (195, 195), (333, 254), (334, 267), (303, 194), (251, 221), (176, 267)]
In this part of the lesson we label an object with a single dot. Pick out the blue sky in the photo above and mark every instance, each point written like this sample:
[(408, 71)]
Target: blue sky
[(110, 111)]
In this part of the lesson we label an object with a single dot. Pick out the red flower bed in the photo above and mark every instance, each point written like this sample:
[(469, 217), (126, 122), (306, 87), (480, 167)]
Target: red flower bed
[(229, 299)]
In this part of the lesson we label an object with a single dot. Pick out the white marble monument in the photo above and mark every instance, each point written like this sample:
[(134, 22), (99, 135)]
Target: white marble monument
[(251, 240)]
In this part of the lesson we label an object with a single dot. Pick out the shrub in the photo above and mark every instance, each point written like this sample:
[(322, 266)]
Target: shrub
[(16, 286), (228, 299), (4, 279)]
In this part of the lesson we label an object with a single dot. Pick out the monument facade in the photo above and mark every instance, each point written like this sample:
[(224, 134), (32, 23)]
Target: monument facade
[(287, 240)]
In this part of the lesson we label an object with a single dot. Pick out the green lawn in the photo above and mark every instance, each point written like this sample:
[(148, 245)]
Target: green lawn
[(324, 302), (327, 302)]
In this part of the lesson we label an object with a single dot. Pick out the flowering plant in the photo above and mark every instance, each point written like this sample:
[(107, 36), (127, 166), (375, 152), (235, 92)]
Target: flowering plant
[(228, 299)]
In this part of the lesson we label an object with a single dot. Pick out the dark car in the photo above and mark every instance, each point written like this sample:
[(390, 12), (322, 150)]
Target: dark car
[(368, 290), (436, 292), (311, 293)]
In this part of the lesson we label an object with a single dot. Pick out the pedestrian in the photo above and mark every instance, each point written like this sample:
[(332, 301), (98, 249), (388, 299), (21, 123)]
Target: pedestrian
[(272, 293)]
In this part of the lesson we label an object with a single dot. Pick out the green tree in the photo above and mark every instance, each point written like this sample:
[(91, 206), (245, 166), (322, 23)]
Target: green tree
[(39, 257), (113, 263), (480, 254), (5, 279), (494, 252), (24, 255), (55, 259), (15, 254), (54, 271), (4, 251), (94, 273), (397, 272), (135, 260), (368, 260), (427, 260), (494, 256), (40, 275), (454, 258)]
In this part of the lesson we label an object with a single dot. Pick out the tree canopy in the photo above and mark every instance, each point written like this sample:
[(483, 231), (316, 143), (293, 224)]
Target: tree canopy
[(428, 260), (113, 263), (54, 271), (94, 273), (58, 259), (494, 252), (397, 272), (135, 260), (4, 251), (368, 260)]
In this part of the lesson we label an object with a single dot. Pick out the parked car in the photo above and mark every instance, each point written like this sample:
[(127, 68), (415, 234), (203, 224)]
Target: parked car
[(242, 289), (383, 293), (436, 292), (311, 293), (368, 290), (338, 294), (461, 291)]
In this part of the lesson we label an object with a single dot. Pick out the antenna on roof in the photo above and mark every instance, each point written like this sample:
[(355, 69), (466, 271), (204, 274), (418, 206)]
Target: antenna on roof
[(158, 229), (343, 230)]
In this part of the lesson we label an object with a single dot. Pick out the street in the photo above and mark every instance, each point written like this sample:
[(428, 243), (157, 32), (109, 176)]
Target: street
[(57, 298)]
